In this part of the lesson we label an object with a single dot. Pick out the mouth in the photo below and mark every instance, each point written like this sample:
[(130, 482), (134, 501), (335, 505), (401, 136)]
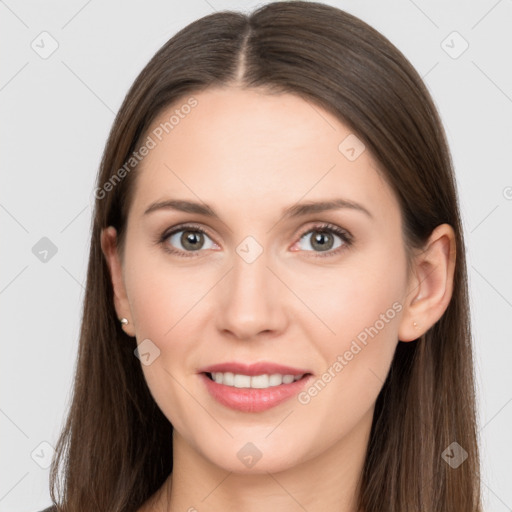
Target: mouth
[(253, 393)]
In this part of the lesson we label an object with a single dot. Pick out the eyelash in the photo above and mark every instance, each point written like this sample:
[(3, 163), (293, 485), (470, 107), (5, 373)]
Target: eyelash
[(345, 236)]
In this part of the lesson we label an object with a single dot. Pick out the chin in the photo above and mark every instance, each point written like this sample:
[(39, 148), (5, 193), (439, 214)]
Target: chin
[(253, 458)]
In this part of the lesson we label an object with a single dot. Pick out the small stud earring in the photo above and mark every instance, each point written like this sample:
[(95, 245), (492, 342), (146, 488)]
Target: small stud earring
[(415, 325), (124, 321)]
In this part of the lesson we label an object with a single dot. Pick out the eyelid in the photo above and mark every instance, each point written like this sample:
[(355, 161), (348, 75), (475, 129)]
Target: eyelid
[(342, 233), (186, 226), (325, 226)]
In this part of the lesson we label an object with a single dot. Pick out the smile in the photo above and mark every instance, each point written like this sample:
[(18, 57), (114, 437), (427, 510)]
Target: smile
[(263, 381), (241, 393)]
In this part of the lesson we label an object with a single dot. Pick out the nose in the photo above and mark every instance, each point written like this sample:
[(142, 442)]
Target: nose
[(251, 300)]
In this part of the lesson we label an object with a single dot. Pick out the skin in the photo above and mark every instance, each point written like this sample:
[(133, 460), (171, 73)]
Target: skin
[(249, 155)]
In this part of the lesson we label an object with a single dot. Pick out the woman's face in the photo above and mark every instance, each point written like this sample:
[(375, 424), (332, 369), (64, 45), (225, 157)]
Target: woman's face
[(261, 285)]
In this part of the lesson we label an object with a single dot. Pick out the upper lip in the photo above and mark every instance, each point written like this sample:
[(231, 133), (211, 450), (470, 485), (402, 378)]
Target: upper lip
[(260, 368)]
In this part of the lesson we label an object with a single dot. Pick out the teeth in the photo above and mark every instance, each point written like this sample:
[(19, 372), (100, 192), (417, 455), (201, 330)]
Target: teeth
[(242, 381), (256, 381)]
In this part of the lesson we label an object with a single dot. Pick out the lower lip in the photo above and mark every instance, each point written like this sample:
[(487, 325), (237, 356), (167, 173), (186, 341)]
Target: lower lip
[(251, 399)]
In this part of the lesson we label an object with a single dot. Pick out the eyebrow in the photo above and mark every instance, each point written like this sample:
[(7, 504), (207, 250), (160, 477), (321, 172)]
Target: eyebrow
[(296, 210)]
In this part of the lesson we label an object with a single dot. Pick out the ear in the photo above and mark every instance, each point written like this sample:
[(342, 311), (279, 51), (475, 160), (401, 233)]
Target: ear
[(111, 253), (430, 285)]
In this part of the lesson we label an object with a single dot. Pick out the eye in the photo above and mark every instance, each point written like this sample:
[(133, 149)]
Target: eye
[(324, 239), (187, 239)]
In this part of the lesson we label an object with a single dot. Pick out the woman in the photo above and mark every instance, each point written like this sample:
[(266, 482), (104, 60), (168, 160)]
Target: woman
[(276, 315)]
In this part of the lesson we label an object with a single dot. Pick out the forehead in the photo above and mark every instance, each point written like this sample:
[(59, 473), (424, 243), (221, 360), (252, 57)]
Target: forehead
[(244, 149)]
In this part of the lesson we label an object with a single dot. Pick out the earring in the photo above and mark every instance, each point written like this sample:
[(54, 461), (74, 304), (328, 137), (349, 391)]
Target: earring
[(124, 321), (415, 325)]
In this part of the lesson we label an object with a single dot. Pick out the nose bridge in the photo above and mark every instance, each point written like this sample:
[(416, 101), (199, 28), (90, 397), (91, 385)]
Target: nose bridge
[(250, 277), (251, 297)]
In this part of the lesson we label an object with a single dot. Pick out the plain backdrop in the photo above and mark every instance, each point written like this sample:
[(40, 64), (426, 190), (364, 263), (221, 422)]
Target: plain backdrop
[(57, 110)]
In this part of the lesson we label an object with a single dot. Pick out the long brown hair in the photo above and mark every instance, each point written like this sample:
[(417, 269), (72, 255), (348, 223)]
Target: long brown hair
[(115, 449)]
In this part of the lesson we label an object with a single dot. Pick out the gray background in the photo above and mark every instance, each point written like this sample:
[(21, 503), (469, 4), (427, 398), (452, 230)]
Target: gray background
[(57, 112)]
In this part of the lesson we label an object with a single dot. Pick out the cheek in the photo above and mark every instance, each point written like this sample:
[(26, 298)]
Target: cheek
[(360, 304), (163, 294), (357, 357), (353, 297), (162, 301), (165, 301)]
